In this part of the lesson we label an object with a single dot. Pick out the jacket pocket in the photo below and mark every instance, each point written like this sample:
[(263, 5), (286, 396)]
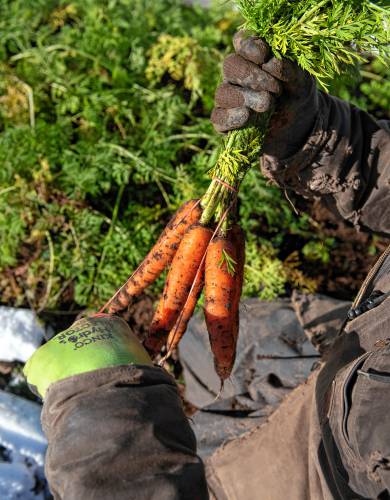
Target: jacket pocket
[(359, 422), (341, 403), (365, 396), (347, 390)]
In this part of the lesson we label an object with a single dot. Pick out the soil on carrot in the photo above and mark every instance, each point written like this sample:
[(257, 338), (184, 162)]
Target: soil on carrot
[(352, 256)]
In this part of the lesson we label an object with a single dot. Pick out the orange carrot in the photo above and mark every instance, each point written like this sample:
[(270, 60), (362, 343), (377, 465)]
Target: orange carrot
[(181, 276), (179, 329), (221, 302), (159, 257)]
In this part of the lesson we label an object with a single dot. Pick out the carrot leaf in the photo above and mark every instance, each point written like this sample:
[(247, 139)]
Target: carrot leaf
[(229, 261)]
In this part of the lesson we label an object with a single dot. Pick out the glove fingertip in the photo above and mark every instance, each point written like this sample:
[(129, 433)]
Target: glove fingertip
[(224, 120), (229, 96), (282, 69), (217, 120), (258, 101), (252, 48)]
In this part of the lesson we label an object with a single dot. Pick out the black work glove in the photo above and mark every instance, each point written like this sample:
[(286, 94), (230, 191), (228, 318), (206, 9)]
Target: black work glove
[(254, 82)]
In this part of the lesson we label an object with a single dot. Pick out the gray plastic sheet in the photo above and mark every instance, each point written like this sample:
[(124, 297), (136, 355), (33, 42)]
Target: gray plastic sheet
[(274, 355)]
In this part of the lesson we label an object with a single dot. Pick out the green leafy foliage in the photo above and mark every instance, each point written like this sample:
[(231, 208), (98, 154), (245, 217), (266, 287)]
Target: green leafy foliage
[(99, 140), (104, 131), (368, 88), (324, 37), (318, 250), (185, 60), (228, 262)]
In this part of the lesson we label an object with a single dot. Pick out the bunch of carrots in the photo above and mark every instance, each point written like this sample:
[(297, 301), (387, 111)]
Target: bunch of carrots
[(202, 245), (199, 257)]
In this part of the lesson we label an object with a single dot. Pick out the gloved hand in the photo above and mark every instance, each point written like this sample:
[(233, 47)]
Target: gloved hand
[(99, 341), (254, 83)]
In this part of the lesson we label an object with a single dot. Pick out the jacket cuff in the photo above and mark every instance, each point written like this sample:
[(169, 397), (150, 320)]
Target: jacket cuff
[(63, 390)]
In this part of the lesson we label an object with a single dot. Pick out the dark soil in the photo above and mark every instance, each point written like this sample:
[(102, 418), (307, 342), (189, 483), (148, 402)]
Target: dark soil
[(354, 254), (139, 315)]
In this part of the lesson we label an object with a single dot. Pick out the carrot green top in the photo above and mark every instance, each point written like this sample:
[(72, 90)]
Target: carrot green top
[(323, 37)]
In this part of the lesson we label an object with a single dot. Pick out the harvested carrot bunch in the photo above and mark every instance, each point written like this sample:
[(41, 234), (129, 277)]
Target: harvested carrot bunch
[(201, 244), (198, 256)]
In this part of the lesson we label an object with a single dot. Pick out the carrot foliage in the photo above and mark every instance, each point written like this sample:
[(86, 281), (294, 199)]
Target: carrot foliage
[(324, 37)]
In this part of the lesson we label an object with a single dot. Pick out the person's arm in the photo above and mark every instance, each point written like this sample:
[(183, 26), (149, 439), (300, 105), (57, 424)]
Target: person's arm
[(118, 431), (345, 160), (317, 145)]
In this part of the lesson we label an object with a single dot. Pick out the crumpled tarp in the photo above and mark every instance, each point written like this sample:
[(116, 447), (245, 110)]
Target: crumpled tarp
[(274, 355)]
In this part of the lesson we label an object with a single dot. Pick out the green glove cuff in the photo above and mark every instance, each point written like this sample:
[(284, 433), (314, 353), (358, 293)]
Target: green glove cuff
[(99, 341)]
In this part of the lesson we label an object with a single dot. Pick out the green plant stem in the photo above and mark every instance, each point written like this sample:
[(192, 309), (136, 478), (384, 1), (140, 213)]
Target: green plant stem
[(239, 151)]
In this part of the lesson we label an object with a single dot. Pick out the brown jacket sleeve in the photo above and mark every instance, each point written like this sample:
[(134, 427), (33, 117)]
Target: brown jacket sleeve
[(346, 161), (120, 433)]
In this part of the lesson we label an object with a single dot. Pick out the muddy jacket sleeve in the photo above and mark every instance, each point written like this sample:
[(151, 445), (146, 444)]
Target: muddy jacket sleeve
[(346, 161), (120, 433)]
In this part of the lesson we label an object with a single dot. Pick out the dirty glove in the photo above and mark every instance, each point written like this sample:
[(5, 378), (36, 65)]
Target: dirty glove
[(254, 82), (99, 341)]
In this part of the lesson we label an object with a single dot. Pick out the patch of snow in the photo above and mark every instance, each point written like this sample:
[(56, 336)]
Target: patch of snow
[(17, 481), (21, 333), (23, 446)]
